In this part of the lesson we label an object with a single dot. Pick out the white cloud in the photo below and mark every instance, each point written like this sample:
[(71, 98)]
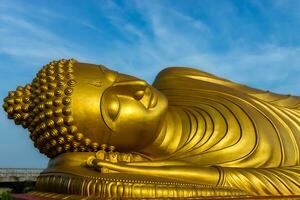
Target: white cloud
[(178, 39), (22, 38)]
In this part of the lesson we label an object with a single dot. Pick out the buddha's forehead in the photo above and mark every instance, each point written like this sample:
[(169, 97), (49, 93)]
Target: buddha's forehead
[(96, 75), (100, 76)]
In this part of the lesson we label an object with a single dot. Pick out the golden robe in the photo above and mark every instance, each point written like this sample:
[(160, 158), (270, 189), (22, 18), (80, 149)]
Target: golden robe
[(251, 136)]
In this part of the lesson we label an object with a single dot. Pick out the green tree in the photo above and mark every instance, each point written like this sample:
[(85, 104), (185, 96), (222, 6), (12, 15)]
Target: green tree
[(6, 196)]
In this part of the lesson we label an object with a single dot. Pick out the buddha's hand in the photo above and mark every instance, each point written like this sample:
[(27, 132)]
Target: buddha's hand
[(113, 157), (128, 163)]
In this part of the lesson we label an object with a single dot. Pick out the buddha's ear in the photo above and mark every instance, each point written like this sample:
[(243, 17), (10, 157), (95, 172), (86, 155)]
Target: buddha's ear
[(109, 114), (18, 105)]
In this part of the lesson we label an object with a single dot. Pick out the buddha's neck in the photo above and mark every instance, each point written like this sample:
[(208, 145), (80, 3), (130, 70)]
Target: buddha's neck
[(173, 135)]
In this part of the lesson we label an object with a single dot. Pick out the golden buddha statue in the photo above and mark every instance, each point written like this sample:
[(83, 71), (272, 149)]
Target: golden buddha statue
[(190, 134)]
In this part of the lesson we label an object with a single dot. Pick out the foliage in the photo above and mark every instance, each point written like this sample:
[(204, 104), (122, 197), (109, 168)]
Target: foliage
[(6, 196)]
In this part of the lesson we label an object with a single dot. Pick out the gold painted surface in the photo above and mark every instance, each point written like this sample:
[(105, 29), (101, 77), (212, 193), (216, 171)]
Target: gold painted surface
[(48, 195), (189, 126)]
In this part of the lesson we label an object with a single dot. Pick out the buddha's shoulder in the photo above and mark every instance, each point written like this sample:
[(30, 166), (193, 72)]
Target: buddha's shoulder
[(183, 71), (285, 100)]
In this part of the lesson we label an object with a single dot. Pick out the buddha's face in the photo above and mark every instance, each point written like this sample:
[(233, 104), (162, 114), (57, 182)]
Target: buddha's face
[(133, 110), (116, 109)]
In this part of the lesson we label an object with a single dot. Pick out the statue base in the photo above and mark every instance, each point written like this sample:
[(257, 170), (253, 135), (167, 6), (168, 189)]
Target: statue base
[(52, 196), (118, 185)]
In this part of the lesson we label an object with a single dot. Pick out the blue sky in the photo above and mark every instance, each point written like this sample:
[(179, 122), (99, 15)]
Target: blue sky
[(251, 42)]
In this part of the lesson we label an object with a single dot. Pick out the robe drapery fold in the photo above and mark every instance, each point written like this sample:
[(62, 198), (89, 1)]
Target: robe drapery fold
[(253, 135)]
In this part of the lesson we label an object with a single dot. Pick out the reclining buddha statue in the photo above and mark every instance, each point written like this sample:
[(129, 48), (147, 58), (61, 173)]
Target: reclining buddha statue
[(189, 134)]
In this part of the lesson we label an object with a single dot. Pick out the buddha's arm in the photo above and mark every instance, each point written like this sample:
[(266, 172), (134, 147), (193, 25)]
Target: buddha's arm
[(268, 181), (173, 169)]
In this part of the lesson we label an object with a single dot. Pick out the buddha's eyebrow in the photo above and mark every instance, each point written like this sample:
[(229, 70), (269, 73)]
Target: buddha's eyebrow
[(96, 83)]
